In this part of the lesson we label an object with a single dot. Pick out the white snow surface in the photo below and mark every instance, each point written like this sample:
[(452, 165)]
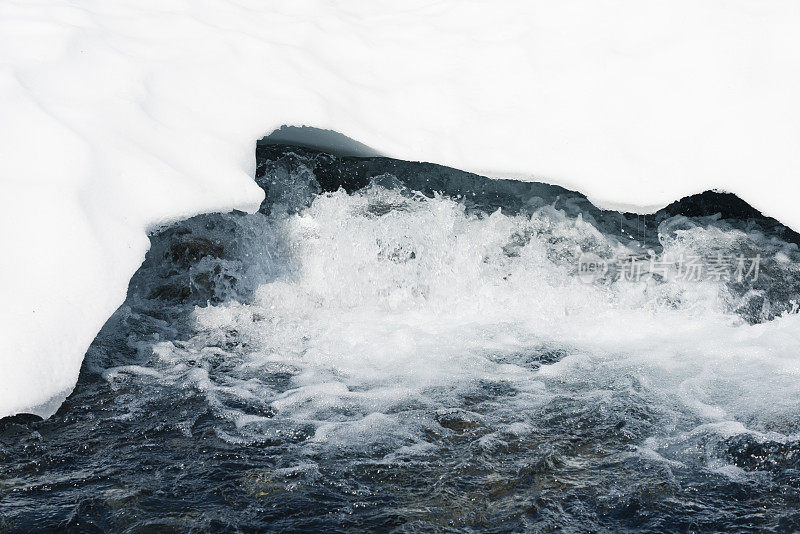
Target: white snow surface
[(116, 117)]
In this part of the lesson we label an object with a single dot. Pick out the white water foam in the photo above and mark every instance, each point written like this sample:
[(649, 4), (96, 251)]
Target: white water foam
[(370, 317)]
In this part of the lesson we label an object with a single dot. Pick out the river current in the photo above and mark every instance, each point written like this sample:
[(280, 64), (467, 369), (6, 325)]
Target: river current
[(398, 346)]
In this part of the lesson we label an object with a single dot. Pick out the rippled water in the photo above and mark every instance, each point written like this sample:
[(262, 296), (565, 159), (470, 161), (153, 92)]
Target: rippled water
[(402, 354)]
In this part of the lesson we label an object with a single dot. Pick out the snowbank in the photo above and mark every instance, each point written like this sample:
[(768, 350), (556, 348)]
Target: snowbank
[(119, 116)]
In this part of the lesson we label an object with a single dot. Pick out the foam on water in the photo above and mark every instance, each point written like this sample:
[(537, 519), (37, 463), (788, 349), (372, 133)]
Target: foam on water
[(362, 317)]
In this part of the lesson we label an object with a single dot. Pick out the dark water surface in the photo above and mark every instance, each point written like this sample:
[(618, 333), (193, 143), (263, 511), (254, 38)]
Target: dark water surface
[(402, 355)]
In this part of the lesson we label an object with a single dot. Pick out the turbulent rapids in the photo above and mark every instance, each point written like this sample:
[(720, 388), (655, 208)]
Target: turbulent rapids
[(395, 345)]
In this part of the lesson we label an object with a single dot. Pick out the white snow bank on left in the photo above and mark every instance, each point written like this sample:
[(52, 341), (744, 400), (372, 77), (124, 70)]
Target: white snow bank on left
[(118, 116), (95, 149)]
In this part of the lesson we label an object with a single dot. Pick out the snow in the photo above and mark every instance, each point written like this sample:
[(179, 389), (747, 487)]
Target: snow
[(120, 116)]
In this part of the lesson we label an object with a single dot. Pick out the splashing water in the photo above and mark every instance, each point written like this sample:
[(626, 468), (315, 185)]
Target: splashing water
[(384, 356)]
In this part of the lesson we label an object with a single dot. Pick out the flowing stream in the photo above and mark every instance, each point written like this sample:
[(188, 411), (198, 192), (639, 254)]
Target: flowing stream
[(394, 346)]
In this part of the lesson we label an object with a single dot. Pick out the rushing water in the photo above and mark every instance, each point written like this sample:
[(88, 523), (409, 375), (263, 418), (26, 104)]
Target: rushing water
[(417, 351)]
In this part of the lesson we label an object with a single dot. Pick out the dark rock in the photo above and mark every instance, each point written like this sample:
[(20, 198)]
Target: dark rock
[(728, 206), (192, 249)]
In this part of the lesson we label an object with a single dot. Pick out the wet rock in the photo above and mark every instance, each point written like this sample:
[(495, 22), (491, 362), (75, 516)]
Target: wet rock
[(458, 420), (192, 249)]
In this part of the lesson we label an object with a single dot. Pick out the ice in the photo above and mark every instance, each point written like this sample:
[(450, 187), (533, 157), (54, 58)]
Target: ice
[(118, 117)]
